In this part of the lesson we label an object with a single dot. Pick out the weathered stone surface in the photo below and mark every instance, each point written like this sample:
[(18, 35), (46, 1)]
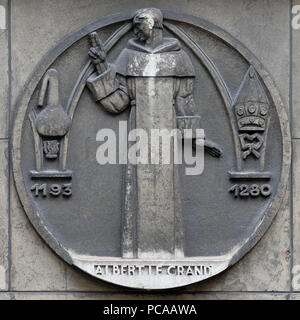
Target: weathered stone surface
[(269, 21), (77, 280), (266, 267), (35, 267), (296, 79), (296, 214), (158, 297), (5, 296), (3, 70), (4, 215)]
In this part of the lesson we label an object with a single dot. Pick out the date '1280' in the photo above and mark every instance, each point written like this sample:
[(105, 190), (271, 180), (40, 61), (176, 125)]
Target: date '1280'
[(252, 190)]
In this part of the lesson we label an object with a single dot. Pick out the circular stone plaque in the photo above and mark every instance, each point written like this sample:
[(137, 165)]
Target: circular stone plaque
[(150, 225)]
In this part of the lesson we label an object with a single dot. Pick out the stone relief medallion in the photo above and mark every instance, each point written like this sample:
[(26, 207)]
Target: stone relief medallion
[(149, 224)]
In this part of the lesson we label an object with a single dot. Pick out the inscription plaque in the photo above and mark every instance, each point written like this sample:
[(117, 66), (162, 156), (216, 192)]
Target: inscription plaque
[(91, 165)]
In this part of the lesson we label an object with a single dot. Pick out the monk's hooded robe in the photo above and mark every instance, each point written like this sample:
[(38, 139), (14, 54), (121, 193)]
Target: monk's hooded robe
[(158, 86)]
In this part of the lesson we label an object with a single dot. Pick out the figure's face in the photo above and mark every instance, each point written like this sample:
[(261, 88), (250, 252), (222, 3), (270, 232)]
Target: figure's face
[(142, 29)]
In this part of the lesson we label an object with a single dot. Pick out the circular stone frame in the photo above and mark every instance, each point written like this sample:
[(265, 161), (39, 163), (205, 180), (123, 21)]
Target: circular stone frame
[(24, 99)]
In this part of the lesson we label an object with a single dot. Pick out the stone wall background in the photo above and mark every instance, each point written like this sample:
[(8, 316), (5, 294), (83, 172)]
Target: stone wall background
[(28, 268)]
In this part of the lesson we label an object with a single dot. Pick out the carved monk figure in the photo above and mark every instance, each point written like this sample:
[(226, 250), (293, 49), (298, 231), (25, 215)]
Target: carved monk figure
[(153, 76)]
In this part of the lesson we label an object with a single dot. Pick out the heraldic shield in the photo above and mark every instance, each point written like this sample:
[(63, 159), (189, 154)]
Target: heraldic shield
[(143, 224)]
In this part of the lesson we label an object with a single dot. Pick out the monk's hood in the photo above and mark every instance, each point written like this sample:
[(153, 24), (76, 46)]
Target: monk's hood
[(166, 60)]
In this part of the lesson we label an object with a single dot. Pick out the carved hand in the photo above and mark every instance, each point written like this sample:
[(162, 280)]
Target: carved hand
[(97, 53), (211, 148)]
